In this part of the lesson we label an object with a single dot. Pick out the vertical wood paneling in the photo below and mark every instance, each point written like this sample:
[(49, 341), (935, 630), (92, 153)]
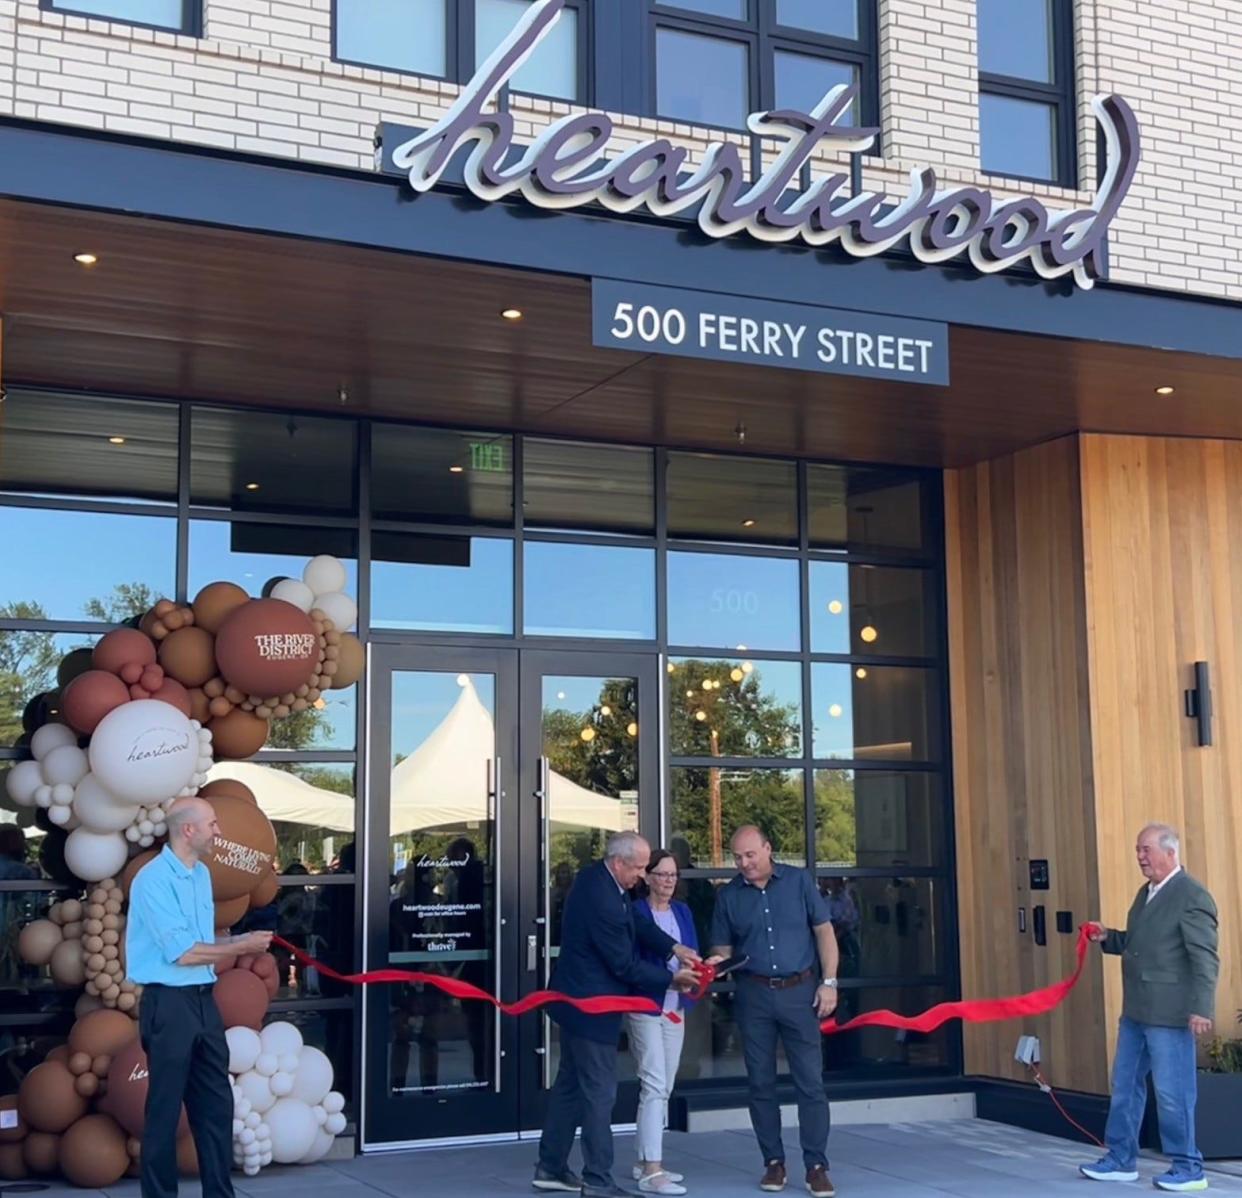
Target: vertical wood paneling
[(1022, 747)]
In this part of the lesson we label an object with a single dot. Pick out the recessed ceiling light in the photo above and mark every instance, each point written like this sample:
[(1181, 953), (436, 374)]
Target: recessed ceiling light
[(85, 258), (116, 440), (748, 524), (512, 313), (1165, 390), (456, 469), (252, 486)]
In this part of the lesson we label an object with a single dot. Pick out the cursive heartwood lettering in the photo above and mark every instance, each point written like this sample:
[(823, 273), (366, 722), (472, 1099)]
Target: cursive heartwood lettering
[(565, 167)]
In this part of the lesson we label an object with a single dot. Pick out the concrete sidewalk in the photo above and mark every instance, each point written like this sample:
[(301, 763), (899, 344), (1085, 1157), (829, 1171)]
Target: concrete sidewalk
[(967, 1158)]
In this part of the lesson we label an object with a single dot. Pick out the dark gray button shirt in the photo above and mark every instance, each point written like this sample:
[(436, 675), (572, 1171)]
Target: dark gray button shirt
[(772, 925)]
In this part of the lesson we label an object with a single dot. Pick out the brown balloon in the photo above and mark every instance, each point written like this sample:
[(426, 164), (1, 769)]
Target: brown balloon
[(92, 1152), (200, 705), (126, 1099), (188, 655), (227, 787), (59, 1053), (231, 911), (12, 1163), (238, 735), (241, 998), (41, 1152), (132, 866), (90, 697), (102, 1033), (267, 647), (123, 647), (244, 850), (12, 1135), (265, 892), (176, 695), (215, 603), (47, 1098), (351, 661)]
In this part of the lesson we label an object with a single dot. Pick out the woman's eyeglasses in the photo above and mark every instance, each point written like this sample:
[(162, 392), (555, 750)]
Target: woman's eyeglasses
[(662, 874)]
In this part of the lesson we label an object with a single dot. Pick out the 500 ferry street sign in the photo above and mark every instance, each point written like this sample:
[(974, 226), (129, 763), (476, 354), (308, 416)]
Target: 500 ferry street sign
[(566, 167)]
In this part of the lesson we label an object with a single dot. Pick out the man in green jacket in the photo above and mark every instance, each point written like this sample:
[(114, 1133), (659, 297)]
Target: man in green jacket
[(1169, 966)]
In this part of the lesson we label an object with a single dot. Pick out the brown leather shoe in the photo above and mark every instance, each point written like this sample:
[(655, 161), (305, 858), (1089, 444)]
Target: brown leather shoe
[(774, 1178), (819, 1183)]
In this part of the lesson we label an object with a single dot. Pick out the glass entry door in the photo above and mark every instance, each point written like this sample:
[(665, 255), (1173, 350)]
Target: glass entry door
[(495, 775)]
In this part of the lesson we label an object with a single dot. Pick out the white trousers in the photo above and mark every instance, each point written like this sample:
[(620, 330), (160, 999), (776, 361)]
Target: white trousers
[(656, 1043)]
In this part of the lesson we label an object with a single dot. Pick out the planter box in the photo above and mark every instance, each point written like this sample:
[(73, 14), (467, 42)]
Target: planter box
[(1218, 1117)]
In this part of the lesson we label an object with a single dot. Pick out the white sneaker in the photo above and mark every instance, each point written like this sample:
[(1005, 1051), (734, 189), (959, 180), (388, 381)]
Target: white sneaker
[(660, 1183), (638, 1174)]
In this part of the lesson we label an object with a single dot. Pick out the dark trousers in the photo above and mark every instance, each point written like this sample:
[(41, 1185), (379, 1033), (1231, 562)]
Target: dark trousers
[(763, 1016), (188, 1061), (582, 1096)]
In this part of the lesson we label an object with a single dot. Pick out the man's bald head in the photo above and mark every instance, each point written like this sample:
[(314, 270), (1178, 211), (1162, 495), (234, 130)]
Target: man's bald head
[(192, 828)]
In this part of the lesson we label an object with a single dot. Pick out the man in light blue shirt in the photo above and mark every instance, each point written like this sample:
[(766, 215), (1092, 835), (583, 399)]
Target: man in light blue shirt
[(171, 950)]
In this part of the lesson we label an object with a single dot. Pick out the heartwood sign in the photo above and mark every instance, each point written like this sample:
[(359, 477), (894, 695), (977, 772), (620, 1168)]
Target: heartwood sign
[(567, 167)]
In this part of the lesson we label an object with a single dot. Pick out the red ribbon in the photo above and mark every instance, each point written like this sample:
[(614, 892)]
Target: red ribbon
[(985, 1010)]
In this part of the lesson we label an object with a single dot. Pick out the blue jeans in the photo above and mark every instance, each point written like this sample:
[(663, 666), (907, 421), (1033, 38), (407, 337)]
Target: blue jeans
[(1168, 1054)]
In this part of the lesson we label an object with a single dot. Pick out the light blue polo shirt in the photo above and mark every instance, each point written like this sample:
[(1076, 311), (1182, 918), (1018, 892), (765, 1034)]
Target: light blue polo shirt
[(170, 911)]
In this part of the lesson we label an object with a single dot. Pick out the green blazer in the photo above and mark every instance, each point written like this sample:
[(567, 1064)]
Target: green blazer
[(1169, 959)]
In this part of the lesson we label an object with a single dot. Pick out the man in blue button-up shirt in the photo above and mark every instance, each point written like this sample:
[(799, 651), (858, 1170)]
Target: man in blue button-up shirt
[(171, 950), (774, 915)]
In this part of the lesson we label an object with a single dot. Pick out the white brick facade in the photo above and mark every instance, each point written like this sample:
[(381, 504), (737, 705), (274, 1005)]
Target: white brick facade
[(261, 80)]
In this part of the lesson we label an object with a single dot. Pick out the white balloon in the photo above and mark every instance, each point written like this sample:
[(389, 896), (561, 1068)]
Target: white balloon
[(238, 1125), (65, 764), (295, 592), (245, 1137), (53, 736), (24, 779), (132, 834), (244, 1048), (253, 1121), (293, 1129), (266, 1159), (93, 856), (242, 1108), (334, 1102), (313, 1078), (335, 1124), (258, 1093), (59, 815), (62, 794), (99, 809), (251, 1170), (282, 1084), (324, 574), (144, 751), (288, 1062), (281, 1039), (265, 1065), (321, 1116), (43, 795), (319, 1149), (339, 608)]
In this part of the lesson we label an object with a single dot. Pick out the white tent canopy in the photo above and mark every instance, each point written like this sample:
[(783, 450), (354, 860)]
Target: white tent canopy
[(443, 783)]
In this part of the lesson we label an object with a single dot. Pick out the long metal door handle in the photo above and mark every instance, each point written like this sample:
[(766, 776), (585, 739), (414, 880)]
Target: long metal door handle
[(545, 852), (532, 953), (496, 795)]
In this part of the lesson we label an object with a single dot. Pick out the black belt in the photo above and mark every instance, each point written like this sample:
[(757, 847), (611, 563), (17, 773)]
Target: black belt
[(194, 988), (780, 983)]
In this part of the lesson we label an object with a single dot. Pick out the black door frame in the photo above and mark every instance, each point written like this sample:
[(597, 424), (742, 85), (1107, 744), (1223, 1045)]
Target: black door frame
[(516, 1108)]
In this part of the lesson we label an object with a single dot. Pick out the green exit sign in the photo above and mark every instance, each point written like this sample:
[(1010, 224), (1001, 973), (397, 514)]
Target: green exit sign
[(488, 456)]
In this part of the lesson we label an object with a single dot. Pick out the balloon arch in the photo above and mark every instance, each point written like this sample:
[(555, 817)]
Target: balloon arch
[(138, 722)]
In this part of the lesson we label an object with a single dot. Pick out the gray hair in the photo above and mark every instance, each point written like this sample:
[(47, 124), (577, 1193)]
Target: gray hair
[(1169, 839), (623, 846)]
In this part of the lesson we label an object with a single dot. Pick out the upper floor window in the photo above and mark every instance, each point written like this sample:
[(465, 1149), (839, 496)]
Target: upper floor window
[(450, 39), (717, 61), (177, 16), (1026, 89)]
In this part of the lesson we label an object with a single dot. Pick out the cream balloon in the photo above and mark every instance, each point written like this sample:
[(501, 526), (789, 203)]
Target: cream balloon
[(295, 592), (319, 1149), (65, 765), (313, 1079), (24, 779), (256, 1091), (292, 1126), (244, 1048), (144, 751), (339, 608), (49, 737), (99, 809), (324, 574), (281, 1039), (93, 856)]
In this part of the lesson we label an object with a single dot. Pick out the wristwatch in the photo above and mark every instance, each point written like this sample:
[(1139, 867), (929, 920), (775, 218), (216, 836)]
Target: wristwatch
[(832, 982)]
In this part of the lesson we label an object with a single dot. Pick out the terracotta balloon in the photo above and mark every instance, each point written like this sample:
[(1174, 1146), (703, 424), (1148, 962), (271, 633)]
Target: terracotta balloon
[(126, 1099), (238, 735), (92, 1152), (102, 1033), (12, 1163), (126, 877), (244, 850), (215, 603), (47, 1098), (72, 665), (123, 647), (265, 892), (241, 998), (351, 661), (267, 647), (227, 788), (11, 1135), (188, 655), (200, 705), (41, 1152), (59, 1053), (173, 692), (90, 696), (231, 911)]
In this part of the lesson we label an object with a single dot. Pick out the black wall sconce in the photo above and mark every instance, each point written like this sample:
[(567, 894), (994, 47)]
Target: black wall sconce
[(1199, 703)]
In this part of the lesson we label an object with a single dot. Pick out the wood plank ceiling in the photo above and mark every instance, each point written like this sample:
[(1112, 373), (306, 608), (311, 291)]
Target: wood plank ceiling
[(181, 311)]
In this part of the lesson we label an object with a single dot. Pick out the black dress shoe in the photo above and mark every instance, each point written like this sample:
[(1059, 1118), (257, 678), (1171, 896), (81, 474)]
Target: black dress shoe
[(608, 1191), (567, 1182)]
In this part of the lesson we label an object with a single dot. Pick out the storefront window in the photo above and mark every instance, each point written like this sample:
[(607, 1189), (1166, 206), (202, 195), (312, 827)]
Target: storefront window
[(734, 707), (599, 591), (709, 803), (837, 18), (587, 488), (717, 498), (866, 511), (255, 556), (873, 609), (402, 35), (874, 713), (803, 80), (878, 819), (739, 602), (886, 927), (701, 79), (552, 70), (29, 678)]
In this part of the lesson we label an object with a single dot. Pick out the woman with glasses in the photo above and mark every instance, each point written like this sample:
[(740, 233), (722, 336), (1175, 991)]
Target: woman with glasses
[(655, 1041)]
